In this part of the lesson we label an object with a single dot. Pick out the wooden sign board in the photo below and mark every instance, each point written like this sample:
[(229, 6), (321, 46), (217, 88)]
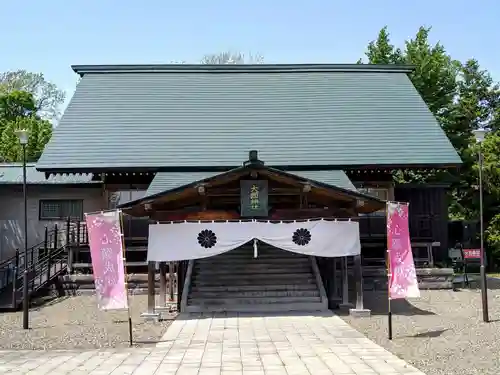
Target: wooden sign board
[(254, 198)]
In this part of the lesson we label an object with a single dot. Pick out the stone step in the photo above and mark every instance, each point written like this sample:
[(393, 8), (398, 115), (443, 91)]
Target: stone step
[(251, 300), (271, 265), (251, 288), (237, 272), (253, 282), (260, 308), (255, 294), (250, 271), (253, 261), (297, 276)]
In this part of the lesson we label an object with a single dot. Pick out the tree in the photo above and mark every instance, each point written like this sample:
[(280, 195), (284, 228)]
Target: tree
[(232, 58), (381, 51), (39, 132), (48, 97), (476, 104), (462, 97), (18, 111), (16, 104), (434, 77)]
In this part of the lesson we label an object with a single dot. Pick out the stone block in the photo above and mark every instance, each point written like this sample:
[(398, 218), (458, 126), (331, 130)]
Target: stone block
[(360, 313), (151, 317)]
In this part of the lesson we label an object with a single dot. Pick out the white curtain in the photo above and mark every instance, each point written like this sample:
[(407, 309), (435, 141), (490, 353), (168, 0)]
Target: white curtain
[(195, 240)]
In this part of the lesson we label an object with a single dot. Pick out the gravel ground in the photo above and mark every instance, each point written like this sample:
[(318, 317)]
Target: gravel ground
[(76, 323), (440, 333)]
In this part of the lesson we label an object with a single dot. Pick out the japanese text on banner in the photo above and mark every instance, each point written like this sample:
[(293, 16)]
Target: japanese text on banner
[(105, 241), (403, 280)]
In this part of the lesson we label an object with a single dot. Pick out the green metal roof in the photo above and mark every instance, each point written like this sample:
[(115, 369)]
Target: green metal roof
[(173, 117), (12, 174), (164, 181)]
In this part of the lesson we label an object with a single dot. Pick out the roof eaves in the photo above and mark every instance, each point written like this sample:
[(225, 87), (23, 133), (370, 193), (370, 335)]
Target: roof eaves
[(241, 68), (148, 198), (352, 193), (121, 168)]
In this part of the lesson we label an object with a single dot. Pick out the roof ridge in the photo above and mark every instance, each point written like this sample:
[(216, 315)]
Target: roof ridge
[(241, 68)]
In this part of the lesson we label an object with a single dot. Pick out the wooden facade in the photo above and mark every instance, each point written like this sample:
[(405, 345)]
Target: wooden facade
[(289, 201)]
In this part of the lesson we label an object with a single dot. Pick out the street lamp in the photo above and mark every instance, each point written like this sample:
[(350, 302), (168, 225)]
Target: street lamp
[(23, 140), (480, 134)]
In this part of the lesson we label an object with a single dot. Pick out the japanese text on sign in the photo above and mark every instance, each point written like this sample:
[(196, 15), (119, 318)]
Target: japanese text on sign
[(106, 250), (254, 197), (472, 253)]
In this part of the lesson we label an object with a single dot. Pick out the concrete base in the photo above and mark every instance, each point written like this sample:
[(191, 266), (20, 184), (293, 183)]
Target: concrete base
[(169, 308), (360, 313), (346, 306), (151, 317)]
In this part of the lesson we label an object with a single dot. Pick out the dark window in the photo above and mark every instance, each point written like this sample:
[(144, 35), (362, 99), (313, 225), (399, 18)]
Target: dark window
[(56, 209)]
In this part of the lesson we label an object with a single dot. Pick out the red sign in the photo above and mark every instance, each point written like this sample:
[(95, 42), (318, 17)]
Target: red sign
[(472, 253)]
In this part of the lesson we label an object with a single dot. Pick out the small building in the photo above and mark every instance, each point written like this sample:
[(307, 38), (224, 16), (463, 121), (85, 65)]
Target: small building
[(50, 201), (326, 139)]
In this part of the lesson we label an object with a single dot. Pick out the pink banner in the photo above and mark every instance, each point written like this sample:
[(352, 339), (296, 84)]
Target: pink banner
[(403, 280), (105, 241)]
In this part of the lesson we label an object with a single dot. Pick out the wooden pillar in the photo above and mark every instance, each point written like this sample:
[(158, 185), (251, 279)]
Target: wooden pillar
[(359, 311), (335, 296), (345, 283), (330, 263), (163, 284), (171, 283), (181, 268), (151, 287), (358, 271), (151, 313)]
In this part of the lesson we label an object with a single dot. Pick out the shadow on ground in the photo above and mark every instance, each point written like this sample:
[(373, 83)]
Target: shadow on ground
[(428, 334), (377, 302), (44, 301), (475, 282)]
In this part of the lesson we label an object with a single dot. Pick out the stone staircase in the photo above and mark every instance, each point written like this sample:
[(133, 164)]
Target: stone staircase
[(275, 281)]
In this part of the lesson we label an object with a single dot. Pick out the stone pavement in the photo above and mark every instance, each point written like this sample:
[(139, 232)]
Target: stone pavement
[(228, 345)]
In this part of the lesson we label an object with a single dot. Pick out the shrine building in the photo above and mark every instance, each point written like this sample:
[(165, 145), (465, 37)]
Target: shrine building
[(262, 187)]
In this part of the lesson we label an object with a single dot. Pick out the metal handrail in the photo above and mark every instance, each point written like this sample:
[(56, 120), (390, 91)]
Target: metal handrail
[(12, 269)]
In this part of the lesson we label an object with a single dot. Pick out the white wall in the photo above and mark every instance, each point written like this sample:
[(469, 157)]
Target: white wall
[(12, 212)]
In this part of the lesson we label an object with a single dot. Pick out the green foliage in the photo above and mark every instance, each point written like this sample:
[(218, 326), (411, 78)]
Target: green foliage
[(27, 101), (493, 236), (491, 164), (48, 97), (16, 104), (463, 97), (39, 132), (18, 111)]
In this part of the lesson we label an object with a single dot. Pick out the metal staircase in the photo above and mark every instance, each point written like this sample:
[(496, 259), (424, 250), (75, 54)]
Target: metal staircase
[(43, 262)]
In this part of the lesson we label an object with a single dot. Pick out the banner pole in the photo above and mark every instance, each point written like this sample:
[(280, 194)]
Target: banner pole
[(388, 265), (130, 334)]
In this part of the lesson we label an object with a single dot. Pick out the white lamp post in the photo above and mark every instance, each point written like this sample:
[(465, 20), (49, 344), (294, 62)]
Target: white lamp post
[(23, 140), (480, 134)]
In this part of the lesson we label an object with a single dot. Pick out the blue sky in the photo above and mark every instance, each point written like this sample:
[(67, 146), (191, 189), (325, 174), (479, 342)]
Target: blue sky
[(49, 36)]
